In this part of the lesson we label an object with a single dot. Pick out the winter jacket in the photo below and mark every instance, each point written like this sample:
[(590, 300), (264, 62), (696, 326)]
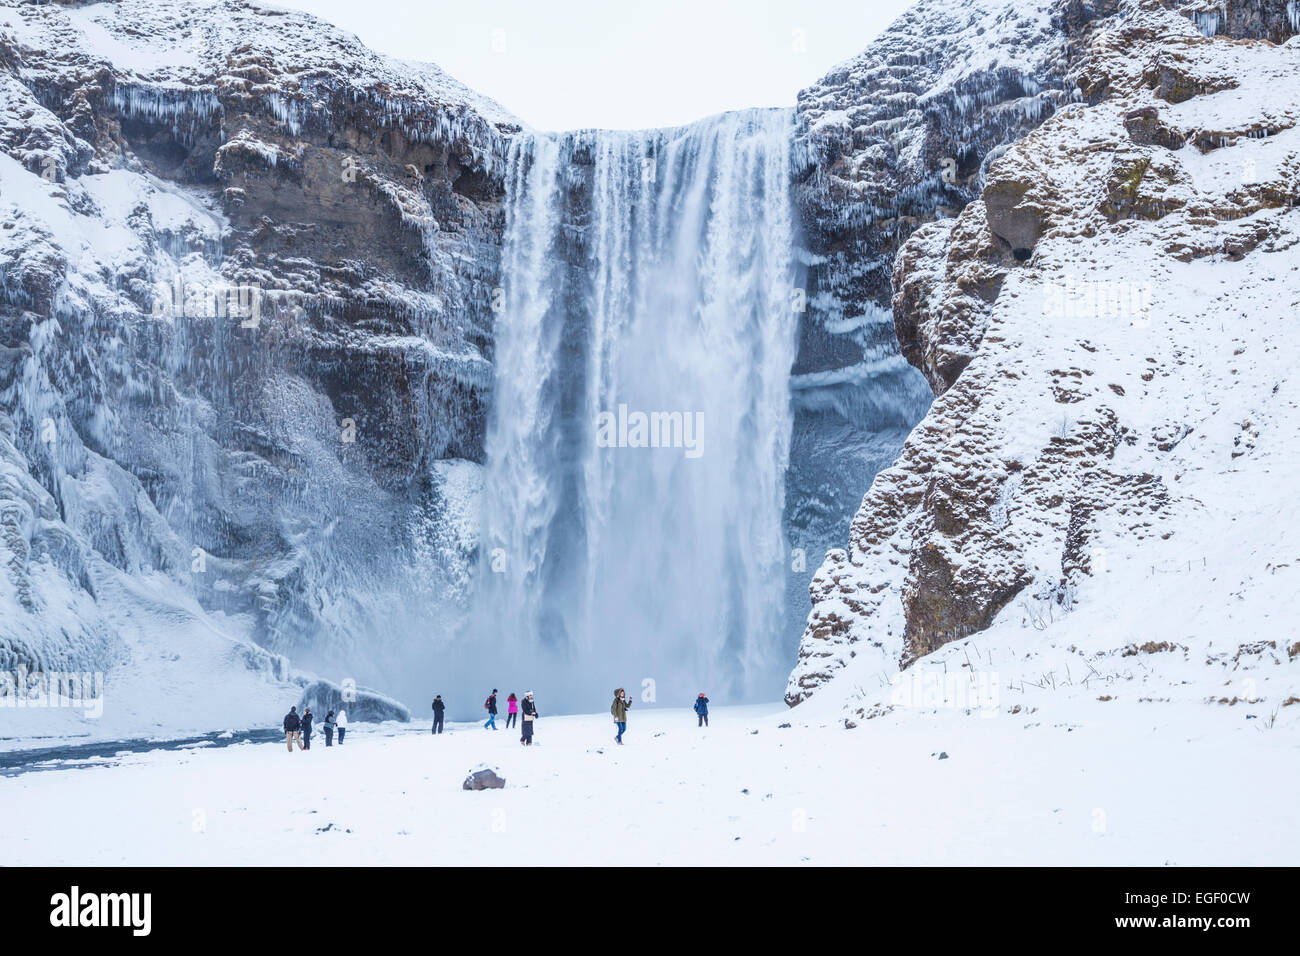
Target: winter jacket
[(491, 704), (701, 705), (306, 723), (438, 707), (619, 708), (512, 705), (329, 724), (291, 723), (530, 709), (342, 719)]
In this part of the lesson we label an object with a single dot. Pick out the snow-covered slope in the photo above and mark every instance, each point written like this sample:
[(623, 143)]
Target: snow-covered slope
[(1098, 503), (246, 275)]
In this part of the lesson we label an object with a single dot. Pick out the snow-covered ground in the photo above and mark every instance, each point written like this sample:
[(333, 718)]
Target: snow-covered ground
[(1075, 781)]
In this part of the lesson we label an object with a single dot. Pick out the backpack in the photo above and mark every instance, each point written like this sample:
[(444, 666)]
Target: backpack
[(487, 704)]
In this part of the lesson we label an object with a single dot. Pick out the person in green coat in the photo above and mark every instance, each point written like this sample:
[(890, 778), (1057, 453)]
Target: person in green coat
[(619, 710)]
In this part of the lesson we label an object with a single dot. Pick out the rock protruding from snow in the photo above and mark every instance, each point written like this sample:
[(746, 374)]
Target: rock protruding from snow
[(483, 780)]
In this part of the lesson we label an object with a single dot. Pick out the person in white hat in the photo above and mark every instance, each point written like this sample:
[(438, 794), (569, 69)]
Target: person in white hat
[(529, 716)]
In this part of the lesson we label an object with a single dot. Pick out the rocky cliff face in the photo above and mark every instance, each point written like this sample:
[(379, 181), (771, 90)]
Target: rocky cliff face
[(902, 134), (248, 271), (894, 138), (1085, 325)]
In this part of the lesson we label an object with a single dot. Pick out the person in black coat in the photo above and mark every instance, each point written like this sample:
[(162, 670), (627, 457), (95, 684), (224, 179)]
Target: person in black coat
[(438, 708), (291, 727), (306, 728), (530, 717)]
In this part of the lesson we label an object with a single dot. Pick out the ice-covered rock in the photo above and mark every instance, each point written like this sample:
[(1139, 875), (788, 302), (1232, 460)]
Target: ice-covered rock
[(361, 703), (246, 285)]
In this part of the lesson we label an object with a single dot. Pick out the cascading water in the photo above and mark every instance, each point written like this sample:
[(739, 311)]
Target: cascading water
[(648, 302)]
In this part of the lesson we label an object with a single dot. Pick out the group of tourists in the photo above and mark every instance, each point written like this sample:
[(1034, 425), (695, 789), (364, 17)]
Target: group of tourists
[(298, 727), (515, 707), (527, 707), (520, 712)]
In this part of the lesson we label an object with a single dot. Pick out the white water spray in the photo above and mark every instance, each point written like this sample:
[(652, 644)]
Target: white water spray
[(649, 279)]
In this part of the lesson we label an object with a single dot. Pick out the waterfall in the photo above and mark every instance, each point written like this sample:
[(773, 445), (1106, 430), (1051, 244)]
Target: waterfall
[(648, 280)]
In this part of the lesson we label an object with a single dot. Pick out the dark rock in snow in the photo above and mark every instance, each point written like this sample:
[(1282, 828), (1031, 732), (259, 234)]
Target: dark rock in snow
[(483, 780)]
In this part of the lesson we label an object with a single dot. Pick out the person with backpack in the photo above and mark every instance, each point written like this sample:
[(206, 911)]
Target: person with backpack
[(619, 710), (292, 724), (343, 724), (306, 728), (702, 709), (438, 708), (512, 710), (329, 725), (529, 717), (491, 705)]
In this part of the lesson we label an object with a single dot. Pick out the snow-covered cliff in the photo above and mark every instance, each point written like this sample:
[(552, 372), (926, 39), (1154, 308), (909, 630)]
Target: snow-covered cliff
[(893, 138), (1102, 485), (246, 283)]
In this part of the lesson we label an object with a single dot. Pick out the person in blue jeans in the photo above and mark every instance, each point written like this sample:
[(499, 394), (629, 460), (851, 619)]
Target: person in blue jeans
[(491, 705), (619, 710), (702, 709)]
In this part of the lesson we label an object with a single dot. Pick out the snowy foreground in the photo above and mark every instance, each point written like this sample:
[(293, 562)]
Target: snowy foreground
[(1105, 783)]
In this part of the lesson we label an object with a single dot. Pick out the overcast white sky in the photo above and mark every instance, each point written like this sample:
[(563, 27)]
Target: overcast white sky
[(620, 64)]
